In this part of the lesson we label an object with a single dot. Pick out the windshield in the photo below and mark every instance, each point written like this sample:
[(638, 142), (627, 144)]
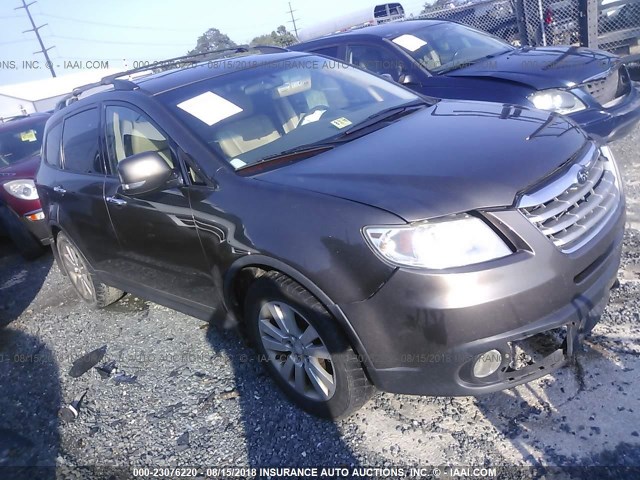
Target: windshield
[(255, 113), (20, 142), (445, 47)]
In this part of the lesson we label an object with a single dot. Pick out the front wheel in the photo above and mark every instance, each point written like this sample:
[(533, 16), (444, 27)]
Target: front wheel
[(92, 291), (304, 349)]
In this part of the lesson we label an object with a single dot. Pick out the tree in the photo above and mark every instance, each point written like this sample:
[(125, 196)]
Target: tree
[(280, 37), (212, 39)]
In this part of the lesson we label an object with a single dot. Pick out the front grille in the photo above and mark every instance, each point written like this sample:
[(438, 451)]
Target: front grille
[(570, 213), (607, 89)]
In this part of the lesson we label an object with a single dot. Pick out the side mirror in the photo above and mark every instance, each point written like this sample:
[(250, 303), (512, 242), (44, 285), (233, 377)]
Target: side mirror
[(408, 79), (144, 173)]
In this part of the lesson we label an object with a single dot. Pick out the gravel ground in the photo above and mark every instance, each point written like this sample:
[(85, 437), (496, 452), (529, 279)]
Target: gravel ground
[(186, 394)]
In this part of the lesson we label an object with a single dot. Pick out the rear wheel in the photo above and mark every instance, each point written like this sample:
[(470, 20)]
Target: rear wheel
[(89, 289), (304, 349)]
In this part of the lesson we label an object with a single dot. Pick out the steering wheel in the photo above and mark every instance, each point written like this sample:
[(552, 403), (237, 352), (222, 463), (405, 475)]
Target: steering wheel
[(311, 111)]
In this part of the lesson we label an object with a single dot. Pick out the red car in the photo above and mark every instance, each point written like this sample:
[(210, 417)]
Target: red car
[(21, 216)]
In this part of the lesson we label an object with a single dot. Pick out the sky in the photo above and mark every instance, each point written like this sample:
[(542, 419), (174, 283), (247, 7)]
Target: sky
[(88, 33)]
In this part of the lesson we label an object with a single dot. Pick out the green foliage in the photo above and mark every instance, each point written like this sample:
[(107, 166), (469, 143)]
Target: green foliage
[(278, 38), (212, 39)]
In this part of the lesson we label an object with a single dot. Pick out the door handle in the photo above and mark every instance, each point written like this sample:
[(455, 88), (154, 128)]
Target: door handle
[(59, 189), (116, 201)]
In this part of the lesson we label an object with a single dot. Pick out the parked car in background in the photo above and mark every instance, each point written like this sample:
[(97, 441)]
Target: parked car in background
[(364, 235), (21, 216), (449, 60)]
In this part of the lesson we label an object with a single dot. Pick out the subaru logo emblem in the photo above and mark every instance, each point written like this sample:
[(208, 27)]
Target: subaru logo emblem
[(583, 176)]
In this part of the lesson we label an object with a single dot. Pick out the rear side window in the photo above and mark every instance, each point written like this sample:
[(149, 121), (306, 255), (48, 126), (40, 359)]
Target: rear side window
[(80, 148), (52, 146), (328, 51)]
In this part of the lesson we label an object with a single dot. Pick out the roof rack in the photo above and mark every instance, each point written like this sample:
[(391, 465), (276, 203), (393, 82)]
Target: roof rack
[(11, 118), (120, 84)]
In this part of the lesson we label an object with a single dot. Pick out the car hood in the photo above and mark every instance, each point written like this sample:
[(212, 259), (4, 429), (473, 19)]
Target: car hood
[(452, 157), (543, 67), (25, 168)]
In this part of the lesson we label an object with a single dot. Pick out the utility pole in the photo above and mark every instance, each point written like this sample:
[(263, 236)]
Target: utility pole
[(293, 20), (36, 30)]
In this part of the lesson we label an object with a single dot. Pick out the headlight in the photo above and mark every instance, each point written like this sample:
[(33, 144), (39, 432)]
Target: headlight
[(606, 152), (23, 189), (436, 244), (555, 100)]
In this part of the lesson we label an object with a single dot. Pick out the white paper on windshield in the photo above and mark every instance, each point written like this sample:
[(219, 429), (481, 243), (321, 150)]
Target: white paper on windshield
[(237, 163), (410, 42), (313, 117), (209, 108)]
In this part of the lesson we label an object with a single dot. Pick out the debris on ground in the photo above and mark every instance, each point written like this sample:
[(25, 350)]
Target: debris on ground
[(122, 377), (70, 412), (87, 361), (107, 369)]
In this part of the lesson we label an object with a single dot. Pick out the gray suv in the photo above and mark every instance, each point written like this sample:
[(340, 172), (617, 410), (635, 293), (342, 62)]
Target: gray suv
[(362, 235)]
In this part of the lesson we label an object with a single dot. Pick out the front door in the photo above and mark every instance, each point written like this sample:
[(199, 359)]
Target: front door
[(159, 246)]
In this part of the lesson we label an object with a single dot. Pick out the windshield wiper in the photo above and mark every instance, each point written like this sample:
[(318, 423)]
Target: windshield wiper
[(468, 63), (312, 149), (386, 115)]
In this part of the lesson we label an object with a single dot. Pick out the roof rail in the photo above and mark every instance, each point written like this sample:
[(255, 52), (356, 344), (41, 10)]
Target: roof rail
[(120, 84)]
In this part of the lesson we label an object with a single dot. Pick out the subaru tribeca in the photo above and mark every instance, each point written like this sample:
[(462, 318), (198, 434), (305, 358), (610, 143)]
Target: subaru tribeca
[(363, 236)]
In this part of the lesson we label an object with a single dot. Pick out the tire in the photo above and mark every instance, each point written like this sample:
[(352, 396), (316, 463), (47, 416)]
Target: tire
[(85, 283), (300, 343), (28, 245)]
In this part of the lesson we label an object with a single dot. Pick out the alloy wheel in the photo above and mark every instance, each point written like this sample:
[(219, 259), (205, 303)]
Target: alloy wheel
[(77, 270), (296, 350)]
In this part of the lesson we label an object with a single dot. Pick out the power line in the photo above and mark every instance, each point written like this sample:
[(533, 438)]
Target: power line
[(36, 30), (112, 42), (114, 25), (293, 20)]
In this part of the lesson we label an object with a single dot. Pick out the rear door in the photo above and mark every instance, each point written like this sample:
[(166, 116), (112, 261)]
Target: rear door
[(159, 247), (78, 187)]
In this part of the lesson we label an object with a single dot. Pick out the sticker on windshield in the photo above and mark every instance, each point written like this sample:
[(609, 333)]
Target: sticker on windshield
[(209, 108), (341, 122), (410, 42), (28, 136)]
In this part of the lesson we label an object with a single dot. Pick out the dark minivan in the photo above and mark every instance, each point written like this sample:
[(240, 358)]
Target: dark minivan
[(449, 60), (363, 236)]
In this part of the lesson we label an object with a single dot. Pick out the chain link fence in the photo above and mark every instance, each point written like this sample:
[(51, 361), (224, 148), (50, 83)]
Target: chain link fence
[(497, 17), (612, 25)]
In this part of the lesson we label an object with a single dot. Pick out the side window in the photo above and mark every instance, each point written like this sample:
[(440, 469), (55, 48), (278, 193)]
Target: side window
[(52, 146), (380, 11), (331, 51), (80, 150), (130, 132), (376, 59)]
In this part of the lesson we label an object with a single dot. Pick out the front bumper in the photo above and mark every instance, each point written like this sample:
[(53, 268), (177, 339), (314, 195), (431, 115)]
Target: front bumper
[(421, 332), (608, 124), (38, 228)]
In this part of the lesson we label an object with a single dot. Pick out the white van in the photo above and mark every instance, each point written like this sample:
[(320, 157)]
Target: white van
[(382, 13)]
